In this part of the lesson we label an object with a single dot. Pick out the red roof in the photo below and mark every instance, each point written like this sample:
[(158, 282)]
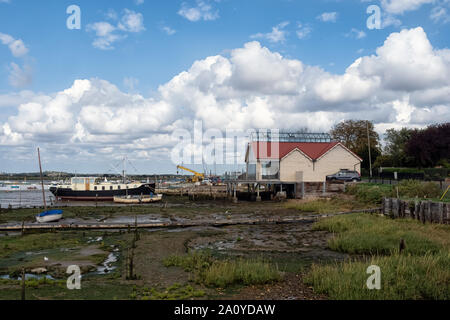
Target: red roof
[(314, 150)]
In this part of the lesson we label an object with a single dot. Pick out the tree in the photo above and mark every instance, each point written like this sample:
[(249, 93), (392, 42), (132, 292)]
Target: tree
[(395, 148), (430, 146), (353, 134)]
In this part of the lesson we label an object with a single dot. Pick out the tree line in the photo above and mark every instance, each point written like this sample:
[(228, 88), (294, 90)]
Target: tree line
[(406, 147)]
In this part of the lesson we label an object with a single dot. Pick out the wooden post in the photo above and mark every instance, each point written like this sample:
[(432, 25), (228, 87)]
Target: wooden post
[(441, 212), (414, 214), (428, 211), (395, 207), (422, 211), (404, 205), (131, 275), (23, 283), (402, 245)]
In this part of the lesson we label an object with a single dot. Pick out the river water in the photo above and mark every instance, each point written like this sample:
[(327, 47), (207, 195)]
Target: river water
[(24, 199)]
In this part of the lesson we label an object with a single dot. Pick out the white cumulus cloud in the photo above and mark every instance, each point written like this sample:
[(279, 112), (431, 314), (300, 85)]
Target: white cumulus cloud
[(278, 33), (106, 34), (405, 83), (201, 11), (328, 16)]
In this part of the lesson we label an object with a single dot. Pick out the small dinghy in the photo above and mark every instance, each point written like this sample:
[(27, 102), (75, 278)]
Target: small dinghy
[(49, 216), (138, 199), (46, 215)]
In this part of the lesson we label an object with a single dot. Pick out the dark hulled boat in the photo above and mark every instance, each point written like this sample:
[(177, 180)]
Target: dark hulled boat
[(91, 188)]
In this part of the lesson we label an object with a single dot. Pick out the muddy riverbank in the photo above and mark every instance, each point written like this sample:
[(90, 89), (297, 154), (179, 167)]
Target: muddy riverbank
[(104, 256)]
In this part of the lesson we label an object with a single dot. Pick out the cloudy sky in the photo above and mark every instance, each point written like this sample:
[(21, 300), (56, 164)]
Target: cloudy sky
[(138, 70)]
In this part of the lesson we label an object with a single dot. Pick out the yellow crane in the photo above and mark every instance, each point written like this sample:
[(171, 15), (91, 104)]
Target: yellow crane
[(197, 175)]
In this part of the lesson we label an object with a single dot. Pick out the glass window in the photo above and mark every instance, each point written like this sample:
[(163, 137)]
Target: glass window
[(118, 187), (103, 188), (95, 188), (111, 187)]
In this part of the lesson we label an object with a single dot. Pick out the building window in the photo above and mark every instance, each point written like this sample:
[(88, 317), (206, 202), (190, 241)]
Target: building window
[(110, 188), (118, 187), (103, 188), (95, 188), (270, 170)]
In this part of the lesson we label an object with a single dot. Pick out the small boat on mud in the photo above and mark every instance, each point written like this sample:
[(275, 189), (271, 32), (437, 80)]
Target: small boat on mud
[(49, 216), (46, 215), (138, 199)]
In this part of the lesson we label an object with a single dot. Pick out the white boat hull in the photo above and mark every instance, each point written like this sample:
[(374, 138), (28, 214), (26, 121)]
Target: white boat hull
[(136, 200), (49, 218)]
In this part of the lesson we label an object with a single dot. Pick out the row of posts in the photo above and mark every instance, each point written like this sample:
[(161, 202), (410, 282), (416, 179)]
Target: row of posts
[(424, 211)]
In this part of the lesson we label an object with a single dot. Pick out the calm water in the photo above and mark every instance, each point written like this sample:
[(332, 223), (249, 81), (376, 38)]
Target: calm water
[(24, 199)]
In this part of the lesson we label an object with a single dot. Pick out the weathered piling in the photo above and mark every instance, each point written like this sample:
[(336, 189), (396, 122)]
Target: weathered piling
[(23, 284), (424, 211)]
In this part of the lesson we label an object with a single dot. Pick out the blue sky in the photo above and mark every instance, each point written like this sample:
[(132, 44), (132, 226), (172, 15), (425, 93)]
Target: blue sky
[(148, 43)]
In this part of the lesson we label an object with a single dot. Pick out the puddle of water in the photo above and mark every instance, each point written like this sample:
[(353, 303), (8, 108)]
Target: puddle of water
[(31, 253), (107, 265), (91, 240), (219, 245), (28, 276), (131, 220)]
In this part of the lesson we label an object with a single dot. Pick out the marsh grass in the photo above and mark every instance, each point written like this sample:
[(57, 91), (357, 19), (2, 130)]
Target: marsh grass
[(402, 277), (332, 205), (373, 234), (373, 193), (225, 272), (421, 271), (174, 292), (37, 241)]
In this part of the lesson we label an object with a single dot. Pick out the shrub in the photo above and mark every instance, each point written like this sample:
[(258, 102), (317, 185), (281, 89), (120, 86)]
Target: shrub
[(413, 188), (223, 273)]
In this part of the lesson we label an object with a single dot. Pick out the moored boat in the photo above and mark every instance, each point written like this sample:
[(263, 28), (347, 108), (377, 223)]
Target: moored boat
[(49, 216), (46, 215), (96, 189), (138, 199)]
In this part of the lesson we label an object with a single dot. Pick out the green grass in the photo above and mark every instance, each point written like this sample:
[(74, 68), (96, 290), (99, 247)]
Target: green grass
[(421, 271), (372, 234), (373, 193), (240, 271), (37, 242), (225, 272), (370, 193), (402, 277), (332, 205), (174, 292), (92, 289)]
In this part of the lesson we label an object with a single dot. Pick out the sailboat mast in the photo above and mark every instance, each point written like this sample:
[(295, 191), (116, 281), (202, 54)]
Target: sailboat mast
[(42, 181)]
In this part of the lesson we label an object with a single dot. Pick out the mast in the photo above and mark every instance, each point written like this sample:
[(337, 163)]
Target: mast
[(42, 181), (123, 171)]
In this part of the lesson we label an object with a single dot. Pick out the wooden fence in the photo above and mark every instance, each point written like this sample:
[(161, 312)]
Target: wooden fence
[(422, 210)]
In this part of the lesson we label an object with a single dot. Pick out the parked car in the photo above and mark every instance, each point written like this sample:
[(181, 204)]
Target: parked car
[(345, 175)]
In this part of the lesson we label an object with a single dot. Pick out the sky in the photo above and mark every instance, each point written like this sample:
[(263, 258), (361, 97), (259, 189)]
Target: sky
[(128, 78)]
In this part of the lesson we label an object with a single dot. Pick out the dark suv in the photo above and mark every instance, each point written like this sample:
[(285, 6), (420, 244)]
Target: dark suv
[(345, 175)]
